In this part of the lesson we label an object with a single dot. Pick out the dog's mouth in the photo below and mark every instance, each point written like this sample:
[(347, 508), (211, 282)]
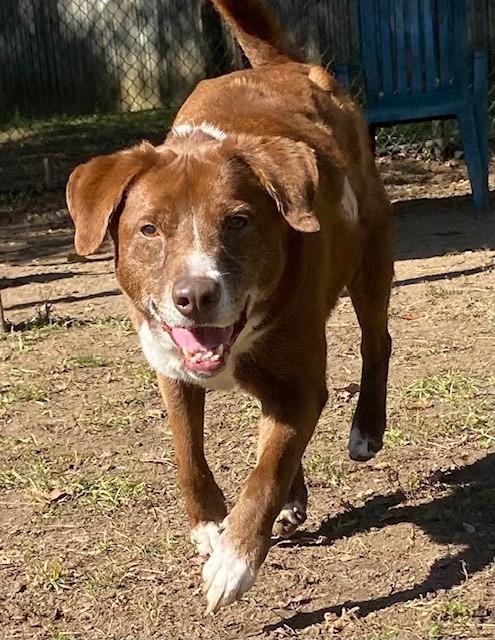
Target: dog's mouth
[(204, 349)]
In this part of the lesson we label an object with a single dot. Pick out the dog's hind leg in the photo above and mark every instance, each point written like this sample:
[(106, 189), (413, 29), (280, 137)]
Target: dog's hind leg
[(293, 513), (370, 293)]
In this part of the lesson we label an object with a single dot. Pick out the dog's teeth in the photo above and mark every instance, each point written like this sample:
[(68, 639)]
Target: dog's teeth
[(219, 350), (188, 354), (215, 357), (207, 355)]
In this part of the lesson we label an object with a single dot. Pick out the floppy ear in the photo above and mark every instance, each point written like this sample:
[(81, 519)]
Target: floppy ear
[(288, 171), (95, 190)]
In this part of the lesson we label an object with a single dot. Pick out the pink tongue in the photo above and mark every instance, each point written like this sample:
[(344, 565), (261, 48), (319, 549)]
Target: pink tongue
[(202, 338)]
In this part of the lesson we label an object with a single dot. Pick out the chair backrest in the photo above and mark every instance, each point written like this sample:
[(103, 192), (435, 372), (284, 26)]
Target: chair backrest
[(413, 48)]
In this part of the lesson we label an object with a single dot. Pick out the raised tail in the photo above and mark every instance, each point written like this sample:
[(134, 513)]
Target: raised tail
[(257, 30)]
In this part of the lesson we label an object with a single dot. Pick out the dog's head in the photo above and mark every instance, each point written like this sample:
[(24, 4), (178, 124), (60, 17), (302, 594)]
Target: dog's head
[(200, 226)]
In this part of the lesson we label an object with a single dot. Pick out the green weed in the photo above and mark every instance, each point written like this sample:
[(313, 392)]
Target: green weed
[(448, 386), (87, 361), (107, 493)]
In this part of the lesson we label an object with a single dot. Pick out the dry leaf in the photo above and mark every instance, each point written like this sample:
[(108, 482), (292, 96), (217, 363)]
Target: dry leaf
[(336, 624), (301, 599), (409, 316), (19, 586), (74, 257), (56, 495), (347, 393), (421, 405), (381, 465)]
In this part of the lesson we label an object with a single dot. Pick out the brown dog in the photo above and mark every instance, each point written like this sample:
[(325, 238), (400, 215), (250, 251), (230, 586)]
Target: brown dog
[(233, 240)]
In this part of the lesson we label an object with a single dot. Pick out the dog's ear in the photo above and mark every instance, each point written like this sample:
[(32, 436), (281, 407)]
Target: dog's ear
[(288, 171), (95, 190)]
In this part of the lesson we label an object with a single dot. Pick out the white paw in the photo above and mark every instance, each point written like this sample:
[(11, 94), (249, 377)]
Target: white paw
[(205, 536), (288, 520), (226, 576), (360, 447)]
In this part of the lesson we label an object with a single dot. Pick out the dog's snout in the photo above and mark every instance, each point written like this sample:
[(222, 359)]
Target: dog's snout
[(195, 296)]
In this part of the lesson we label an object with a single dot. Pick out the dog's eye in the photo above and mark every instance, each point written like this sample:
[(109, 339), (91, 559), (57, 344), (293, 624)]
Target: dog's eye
[(237, 222), (149, 230)]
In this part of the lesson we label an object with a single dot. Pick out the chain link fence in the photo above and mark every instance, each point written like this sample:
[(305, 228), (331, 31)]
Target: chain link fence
[(79, 77)]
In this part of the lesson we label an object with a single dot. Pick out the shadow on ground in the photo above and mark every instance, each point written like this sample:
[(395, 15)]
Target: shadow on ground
[(436, 226), (471, 500)]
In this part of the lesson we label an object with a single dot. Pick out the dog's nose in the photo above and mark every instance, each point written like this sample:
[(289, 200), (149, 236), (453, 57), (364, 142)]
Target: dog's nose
[(195, 296)]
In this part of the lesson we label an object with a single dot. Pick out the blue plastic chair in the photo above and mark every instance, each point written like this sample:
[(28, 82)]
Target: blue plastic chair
[(418, 65)]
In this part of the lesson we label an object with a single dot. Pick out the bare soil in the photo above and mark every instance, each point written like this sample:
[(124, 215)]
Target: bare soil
[(93, 537)]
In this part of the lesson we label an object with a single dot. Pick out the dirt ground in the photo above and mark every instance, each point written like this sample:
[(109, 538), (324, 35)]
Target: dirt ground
[(93, 537)]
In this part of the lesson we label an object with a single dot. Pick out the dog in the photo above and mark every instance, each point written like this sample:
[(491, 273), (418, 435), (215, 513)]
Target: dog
[(233, 241)]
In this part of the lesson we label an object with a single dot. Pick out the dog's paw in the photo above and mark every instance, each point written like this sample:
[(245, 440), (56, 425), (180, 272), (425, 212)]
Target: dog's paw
[(205, 536), (361, 447), (292, 515), (226, 576)]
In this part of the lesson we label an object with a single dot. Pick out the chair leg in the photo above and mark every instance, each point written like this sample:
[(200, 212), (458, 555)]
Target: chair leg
[(475, 159), (480, 103)]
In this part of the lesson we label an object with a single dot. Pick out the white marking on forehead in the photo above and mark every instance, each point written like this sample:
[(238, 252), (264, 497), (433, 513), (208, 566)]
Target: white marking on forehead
[(196, 237), (183, 130), (203, 265)]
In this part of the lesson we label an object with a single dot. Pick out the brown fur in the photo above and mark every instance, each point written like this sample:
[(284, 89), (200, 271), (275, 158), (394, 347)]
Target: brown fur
[(257, 30), (293, 139)]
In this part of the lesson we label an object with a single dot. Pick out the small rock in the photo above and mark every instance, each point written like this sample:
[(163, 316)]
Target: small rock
[(19, 587)]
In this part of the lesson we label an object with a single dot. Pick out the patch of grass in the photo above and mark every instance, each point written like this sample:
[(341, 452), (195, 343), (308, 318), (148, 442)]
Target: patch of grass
[(146, 378), (436, 291), (108, 493), (37, 477), (122, 324), (57, 634), (449, 613), (114, 415), (159, 548), (487, 437), (393, 312), (43, 322), (320, 465), (453, 610), (91, 588), (123, 420), (87, 361), (436, 629), (51, 575), (22, 340), (24, 393), (448, 386), (413, 483), (9, 479), (474, 421), (393, 437)]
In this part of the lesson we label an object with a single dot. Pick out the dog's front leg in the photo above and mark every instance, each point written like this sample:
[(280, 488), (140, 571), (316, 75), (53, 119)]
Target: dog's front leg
[(289, 418), (205, 503)]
